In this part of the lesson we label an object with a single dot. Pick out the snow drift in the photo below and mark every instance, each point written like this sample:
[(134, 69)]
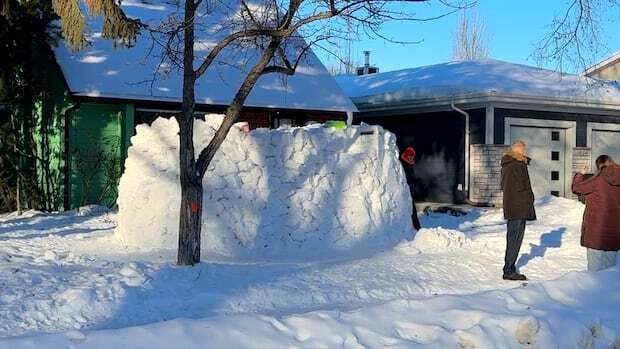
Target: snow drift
[(296, 192)]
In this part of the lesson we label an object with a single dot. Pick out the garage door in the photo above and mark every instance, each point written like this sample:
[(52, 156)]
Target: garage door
[(547, 148), (605, 142)]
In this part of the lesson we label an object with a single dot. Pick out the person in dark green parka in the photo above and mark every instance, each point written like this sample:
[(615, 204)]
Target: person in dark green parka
[(518, 203)]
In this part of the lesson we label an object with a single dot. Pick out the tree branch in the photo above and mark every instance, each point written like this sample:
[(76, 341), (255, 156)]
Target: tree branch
[(233, 111), (206, 63)]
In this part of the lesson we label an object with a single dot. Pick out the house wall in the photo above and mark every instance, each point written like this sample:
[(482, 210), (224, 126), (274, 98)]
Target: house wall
[(255, 117), (485, 187), (581, 156), (485, 159), (50, 138), (609, 72), (580, 118), (477, 126), (81, 146)]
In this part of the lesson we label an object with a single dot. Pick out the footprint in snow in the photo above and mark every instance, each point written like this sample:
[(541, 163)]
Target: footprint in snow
[(132, 277)]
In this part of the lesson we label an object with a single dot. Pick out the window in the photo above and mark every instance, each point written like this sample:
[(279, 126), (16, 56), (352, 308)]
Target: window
[(555, 175), (555, 193), (555, 135), (555, 155)]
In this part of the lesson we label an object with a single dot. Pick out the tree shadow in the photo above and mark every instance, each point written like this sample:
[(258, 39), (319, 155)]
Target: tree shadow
[(432, 219), (43, 223), (204, 290), (552, 239), (45, 234)]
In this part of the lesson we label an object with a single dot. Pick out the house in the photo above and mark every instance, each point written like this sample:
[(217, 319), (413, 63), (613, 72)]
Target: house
[(461, 116), (97, 96), (608, 69)]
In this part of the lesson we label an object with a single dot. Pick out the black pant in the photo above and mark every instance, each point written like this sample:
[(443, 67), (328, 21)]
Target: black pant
[(514, 238), (414, 215)]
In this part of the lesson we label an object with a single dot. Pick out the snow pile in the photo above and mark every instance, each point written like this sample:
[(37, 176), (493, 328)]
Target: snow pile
[(438, 240), (289, 192)]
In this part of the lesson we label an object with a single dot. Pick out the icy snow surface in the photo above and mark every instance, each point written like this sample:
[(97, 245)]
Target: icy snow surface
[(297, 193), (441, 290), (476, 78), (103, 70)]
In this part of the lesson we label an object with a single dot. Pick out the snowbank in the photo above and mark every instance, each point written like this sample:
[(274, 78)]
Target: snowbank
[(296, 192), (566, 313)]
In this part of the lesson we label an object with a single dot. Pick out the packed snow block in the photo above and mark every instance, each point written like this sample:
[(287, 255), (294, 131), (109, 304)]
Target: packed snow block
[(301, 192)]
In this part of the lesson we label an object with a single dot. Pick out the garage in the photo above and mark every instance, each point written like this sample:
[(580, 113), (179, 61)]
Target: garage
[(462, 117), (548, 147), (604, 139), (440, 164)]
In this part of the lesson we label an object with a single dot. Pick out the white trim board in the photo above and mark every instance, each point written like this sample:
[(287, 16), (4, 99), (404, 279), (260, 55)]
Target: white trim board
[(571, 141), (489, 125)]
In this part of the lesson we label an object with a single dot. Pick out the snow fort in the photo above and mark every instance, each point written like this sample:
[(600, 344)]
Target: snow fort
[(303, 192)]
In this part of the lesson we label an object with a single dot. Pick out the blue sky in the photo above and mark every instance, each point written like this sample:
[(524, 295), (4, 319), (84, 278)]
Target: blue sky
[(513, 28)]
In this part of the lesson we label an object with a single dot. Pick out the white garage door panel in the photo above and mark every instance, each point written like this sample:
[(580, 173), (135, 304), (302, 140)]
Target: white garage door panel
[(605, 142), (547, 148)]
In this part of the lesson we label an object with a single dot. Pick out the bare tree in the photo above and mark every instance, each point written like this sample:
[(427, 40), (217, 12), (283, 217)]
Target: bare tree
[(470, 40), (575, 39), (267, 36)]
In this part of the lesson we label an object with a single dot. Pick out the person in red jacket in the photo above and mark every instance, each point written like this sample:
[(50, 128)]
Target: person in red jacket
[(408, 159), (600, 230)]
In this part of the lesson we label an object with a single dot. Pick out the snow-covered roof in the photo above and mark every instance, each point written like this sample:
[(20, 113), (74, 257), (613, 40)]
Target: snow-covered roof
[(102, 70), (470, 79)]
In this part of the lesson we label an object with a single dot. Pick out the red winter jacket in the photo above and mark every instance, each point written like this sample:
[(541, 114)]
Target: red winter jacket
[(600, 229)]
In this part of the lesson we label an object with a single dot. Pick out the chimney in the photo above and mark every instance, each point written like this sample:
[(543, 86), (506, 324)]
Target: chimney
[(367, 68)]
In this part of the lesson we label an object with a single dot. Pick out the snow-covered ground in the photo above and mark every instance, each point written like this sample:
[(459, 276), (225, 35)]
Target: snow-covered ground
[(66, 281)]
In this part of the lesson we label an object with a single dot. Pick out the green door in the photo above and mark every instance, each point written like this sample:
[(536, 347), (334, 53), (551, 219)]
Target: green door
[(97, 143)]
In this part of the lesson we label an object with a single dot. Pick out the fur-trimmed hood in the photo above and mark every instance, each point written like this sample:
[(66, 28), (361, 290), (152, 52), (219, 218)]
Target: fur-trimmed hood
[(611, 174), (510, 156)]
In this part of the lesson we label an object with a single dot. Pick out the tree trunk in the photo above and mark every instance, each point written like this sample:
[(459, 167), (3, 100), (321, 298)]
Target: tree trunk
[(17, 159), (18, 194), (190, 224), (190, 217)]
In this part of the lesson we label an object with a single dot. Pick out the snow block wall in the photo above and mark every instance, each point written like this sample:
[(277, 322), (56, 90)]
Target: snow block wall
[(298, 192)]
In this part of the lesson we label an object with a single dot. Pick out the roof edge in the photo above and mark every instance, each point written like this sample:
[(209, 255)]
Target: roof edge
[(487, 98), (138, 98)]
